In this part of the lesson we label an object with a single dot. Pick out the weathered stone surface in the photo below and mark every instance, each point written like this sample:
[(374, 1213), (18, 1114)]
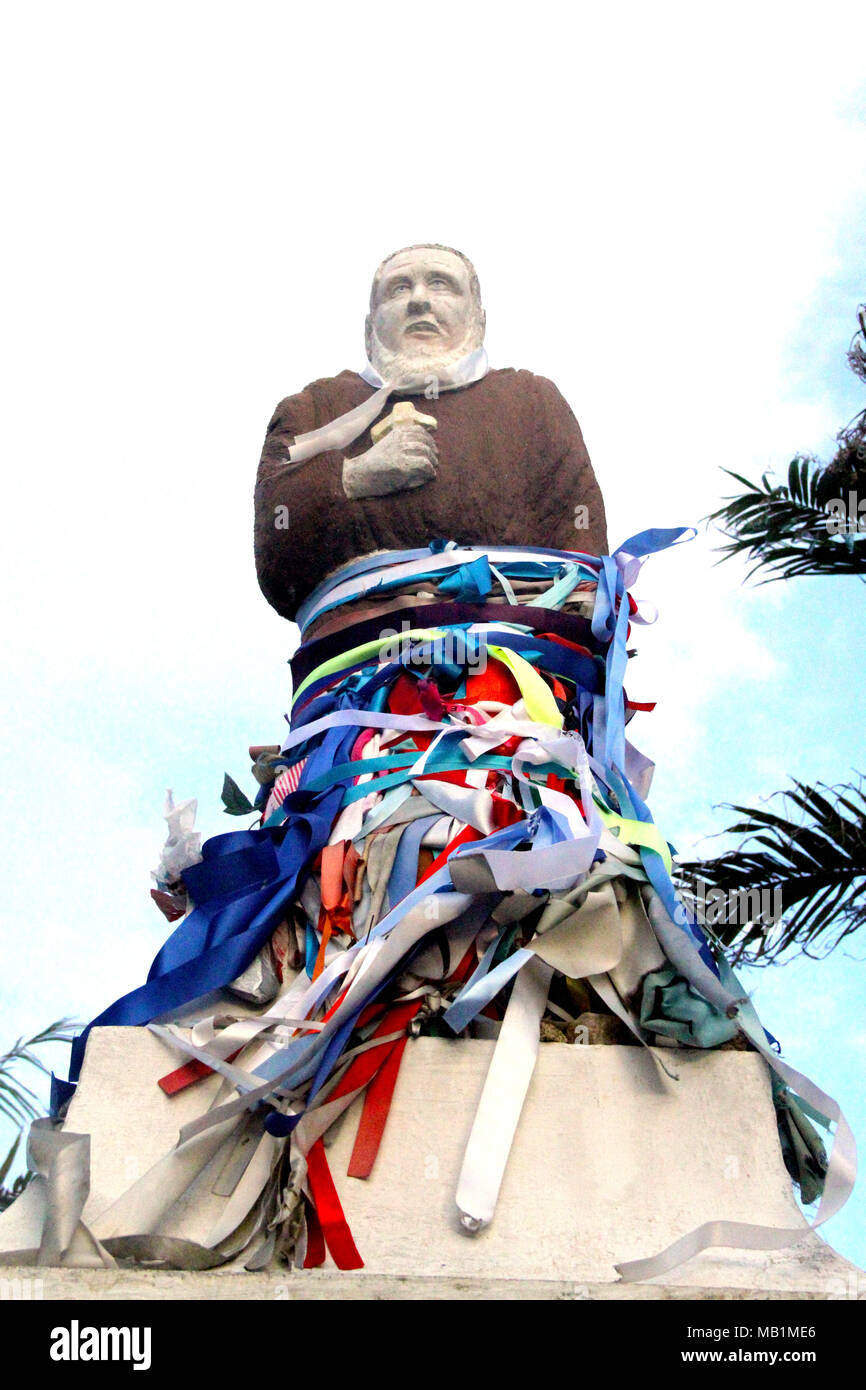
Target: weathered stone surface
[(103, 1285), (611, 1162)]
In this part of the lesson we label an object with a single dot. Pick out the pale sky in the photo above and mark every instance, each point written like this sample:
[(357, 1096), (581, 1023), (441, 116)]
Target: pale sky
[(666, 211)]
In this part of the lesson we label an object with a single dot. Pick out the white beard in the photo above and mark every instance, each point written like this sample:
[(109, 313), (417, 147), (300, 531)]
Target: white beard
[(417, 368)]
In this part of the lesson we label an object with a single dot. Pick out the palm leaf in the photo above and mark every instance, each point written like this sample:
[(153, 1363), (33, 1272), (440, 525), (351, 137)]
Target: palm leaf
[(18, 1102), (816, 862), (9, 1159), (782, 529)]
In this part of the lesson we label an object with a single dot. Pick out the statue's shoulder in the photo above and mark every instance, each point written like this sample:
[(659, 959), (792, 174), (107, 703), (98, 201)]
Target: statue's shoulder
[(346, 380), (527, 387), (319, 401)]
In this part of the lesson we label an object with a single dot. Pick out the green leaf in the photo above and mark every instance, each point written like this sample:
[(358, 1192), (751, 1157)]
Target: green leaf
[(18, 1102), (9, 1159), (782, 530), (818, 862), (236, 803)]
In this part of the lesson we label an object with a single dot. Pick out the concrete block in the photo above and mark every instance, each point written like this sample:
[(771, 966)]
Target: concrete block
[(611, 1162)]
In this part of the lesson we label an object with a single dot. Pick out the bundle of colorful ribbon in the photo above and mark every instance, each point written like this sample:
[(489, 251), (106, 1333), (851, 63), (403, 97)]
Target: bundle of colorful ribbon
[(454, 839)]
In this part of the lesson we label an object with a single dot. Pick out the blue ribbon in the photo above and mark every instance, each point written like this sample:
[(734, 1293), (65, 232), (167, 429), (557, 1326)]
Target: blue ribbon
[(552, 656), (654, 539), (404, 874), (610, 625), (263, 871), (384, 560), (469, 583), (247, 879)]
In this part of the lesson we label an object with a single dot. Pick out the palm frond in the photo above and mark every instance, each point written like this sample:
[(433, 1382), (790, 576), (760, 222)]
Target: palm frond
[(9, 1160), (811, 864), (18, 1102), (857, 350), (788, 530), (8, 1194)]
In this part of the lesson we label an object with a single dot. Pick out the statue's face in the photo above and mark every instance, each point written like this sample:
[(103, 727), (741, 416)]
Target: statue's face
[(423, 307)]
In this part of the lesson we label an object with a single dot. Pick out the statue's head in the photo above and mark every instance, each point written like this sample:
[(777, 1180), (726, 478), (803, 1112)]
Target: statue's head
[(425, 313)]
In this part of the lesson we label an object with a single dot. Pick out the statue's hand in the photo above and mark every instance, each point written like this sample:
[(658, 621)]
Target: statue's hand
[(403, 459)]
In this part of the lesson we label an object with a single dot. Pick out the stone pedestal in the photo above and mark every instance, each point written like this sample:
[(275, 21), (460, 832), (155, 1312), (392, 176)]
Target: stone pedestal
[(611, 1163)]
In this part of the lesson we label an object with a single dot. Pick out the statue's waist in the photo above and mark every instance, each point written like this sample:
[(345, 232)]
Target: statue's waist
[(394, 594), (384, 581)]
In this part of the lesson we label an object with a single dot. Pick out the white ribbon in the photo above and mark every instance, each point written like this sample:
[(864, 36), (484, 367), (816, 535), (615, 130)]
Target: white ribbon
[(501, 1103), (331, 593), (347, 428)]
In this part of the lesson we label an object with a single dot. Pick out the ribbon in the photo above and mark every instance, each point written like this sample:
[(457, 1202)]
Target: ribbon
[(458, 827), (502, 1098), (347, 428)]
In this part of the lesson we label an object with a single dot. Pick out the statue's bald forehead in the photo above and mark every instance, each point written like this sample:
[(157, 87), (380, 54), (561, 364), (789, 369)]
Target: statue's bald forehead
[(425, 255), (429, 257), (446, 258)]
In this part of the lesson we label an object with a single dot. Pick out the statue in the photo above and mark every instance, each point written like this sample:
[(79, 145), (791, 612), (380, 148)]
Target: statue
[(452, 840), (504, 464)]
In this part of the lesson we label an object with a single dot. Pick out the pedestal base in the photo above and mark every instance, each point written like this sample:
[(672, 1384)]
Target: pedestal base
[(611, 1162)]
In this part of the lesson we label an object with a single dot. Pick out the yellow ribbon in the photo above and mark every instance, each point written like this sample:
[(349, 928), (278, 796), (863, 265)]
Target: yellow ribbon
[(637, 832), (537, 695), (541, 707), (339, 663)]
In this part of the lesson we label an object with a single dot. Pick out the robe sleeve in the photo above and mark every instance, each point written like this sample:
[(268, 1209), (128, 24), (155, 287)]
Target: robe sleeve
[(577, 515), (275, 560)]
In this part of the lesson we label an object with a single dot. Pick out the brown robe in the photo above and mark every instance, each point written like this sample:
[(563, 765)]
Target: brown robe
[(512, 469)]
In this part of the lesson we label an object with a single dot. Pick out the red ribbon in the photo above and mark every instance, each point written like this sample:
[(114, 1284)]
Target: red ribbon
[(374, 1116), (315, 1255), (329, 1211)]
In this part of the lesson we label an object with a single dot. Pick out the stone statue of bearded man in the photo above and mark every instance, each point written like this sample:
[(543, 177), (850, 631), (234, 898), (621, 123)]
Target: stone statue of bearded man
[(486, 457)]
